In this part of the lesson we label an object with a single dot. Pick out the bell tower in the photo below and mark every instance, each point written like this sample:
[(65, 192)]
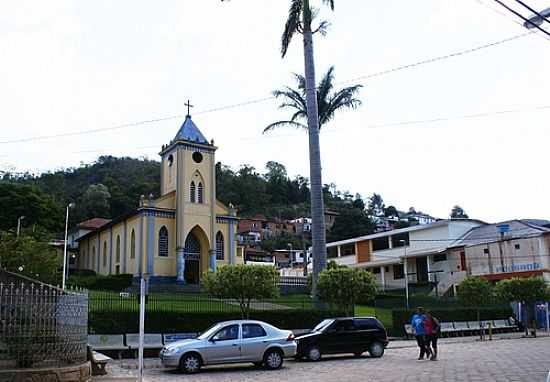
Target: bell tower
[(188, 169)]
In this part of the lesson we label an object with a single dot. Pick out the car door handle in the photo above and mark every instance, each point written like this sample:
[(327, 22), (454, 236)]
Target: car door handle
[(235, 345)]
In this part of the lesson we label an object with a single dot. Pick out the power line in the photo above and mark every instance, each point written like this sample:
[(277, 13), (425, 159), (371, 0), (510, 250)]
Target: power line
[(523, 17), (532, 10), (264, 99), (505, 15)]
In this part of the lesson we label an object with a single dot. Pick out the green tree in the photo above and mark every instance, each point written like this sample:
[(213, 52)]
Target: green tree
[(376, 205), (329, 101), (458, 213), (30, 257), (351, 222), (525, 290), (96, 201), (39, 208), (346, 287), (476, 292), (244, 283)]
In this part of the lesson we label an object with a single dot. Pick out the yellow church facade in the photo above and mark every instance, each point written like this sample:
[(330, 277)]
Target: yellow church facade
[(178, 236)]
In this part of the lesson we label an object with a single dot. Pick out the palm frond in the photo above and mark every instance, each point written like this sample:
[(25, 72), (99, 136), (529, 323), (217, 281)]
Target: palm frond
[(278, 124), (293, 95), (342, 99), (292, 25)]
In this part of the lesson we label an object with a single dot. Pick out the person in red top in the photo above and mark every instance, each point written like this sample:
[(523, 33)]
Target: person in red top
[(431, 327)]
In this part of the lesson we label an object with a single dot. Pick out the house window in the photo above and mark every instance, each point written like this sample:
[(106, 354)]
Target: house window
[(400, 240), (516, 246), (380, 244), (332, 252), (117, 253), (219, 246), (201, 193), (104, 254), (375, 270), (398, 271), (170, 160), (192, 192), (163, 242), (348, 249), (440, 257), (486, 251), (133, 245)]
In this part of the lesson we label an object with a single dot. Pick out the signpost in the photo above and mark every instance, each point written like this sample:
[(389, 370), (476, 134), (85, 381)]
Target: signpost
[(142, 292)]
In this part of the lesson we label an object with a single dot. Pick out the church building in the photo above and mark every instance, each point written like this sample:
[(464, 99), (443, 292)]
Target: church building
[(178, 236)]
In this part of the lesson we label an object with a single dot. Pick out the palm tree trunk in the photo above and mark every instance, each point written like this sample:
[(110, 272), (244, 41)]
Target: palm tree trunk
[(318, 234)]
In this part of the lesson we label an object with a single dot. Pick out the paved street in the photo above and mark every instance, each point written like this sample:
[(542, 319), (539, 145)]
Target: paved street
[(499, 360)]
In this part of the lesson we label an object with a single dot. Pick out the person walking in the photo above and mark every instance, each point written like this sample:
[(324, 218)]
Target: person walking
[(417, 323), (431, 329)]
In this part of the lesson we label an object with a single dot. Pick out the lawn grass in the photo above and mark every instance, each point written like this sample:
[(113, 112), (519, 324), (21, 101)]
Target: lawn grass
[(384, 315)]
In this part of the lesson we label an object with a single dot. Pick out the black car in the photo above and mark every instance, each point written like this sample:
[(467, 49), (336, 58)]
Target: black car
[(343, 335)]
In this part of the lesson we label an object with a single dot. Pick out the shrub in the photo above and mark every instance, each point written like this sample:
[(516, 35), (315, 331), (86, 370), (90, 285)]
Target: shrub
[(176, 322), (112, 282), (243, 283), (346, 287)]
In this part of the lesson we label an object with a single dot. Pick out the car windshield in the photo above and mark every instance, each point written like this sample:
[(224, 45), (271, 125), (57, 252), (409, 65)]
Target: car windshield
[(208, 332), (322, 325)]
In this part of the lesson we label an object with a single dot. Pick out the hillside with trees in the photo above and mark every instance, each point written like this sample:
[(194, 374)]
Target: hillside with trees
[(112, 186)]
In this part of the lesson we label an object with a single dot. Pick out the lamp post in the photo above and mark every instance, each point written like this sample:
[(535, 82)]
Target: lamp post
[(70, 205), (19, 224)]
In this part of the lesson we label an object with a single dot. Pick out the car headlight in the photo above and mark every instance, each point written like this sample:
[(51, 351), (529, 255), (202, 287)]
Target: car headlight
[(171, 351)]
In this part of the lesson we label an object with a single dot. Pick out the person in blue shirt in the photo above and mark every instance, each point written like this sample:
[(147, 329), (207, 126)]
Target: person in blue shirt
[(417, 323)]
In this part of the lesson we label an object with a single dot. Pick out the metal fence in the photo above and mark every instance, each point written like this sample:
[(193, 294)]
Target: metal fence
[(42, 326)]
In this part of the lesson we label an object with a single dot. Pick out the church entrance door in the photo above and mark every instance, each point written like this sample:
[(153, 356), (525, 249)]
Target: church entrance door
[(192, 256)]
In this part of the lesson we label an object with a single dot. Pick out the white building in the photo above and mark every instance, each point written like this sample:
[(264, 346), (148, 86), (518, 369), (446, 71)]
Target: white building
[(421, 248)]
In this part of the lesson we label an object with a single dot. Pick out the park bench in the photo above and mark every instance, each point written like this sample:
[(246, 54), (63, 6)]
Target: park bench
[(98, 361), (447, 328), (107, 342), (504, 325), (462, 327), (169, 338), (150, 341)]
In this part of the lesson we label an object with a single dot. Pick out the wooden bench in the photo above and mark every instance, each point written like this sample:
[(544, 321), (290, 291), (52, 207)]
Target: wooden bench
[(98, 361)]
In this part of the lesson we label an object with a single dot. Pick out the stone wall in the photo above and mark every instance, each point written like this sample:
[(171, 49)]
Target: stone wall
[(80, 373)]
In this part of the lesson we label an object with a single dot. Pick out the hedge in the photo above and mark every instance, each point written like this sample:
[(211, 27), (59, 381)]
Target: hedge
[(112, 283), (401, 317), (174, 322)]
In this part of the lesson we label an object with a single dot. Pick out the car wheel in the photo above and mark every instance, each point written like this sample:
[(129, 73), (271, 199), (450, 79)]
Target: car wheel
[(190, 363), (313, 353), (376, 350), (273, 359)]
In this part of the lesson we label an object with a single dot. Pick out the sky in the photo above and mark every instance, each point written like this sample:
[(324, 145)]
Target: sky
[(71, 66)]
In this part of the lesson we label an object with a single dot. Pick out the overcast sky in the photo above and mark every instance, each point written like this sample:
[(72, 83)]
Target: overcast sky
[(75, 65)]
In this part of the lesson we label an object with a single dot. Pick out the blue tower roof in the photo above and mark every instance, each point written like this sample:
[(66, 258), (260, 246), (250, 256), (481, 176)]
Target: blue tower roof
[(190, 132)]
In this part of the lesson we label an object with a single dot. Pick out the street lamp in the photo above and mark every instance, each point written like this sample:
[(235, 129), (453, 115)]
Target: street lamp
[(19, 224), (537, 19), (70, 205), (404, 242)]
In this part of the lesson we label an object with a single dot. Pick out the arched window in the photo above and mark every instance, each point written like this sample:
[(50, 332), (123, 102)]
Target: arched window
[(133, 245), (93, 257), (104, 254), (219, 246), (163, 242), (201, 193), (117, 253), (192, 192)]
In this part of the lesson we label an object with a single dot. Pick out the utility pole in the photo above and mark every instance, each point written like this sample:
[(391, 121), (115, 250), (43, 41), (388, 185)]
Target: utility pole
[(19, 224), (70, 205)]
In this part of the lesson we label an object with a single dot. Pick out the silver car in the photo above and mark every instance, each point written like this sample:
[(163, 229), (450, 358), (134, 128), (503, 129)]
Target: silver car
[(232, 342)]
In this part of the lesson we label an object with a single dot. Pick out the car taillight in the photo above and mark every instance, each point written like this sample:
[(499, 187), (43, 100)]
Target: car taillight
[(290, 337)]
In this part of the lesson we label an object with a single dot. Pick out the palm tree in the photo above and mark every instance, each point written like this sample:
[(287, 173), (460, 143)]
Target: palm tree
[(328, 102), (300, 17)]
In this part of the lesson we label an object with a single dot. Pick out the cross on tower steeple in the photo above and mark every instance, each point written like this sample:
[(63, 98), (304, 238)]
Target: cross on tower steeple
[(189, 106)]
